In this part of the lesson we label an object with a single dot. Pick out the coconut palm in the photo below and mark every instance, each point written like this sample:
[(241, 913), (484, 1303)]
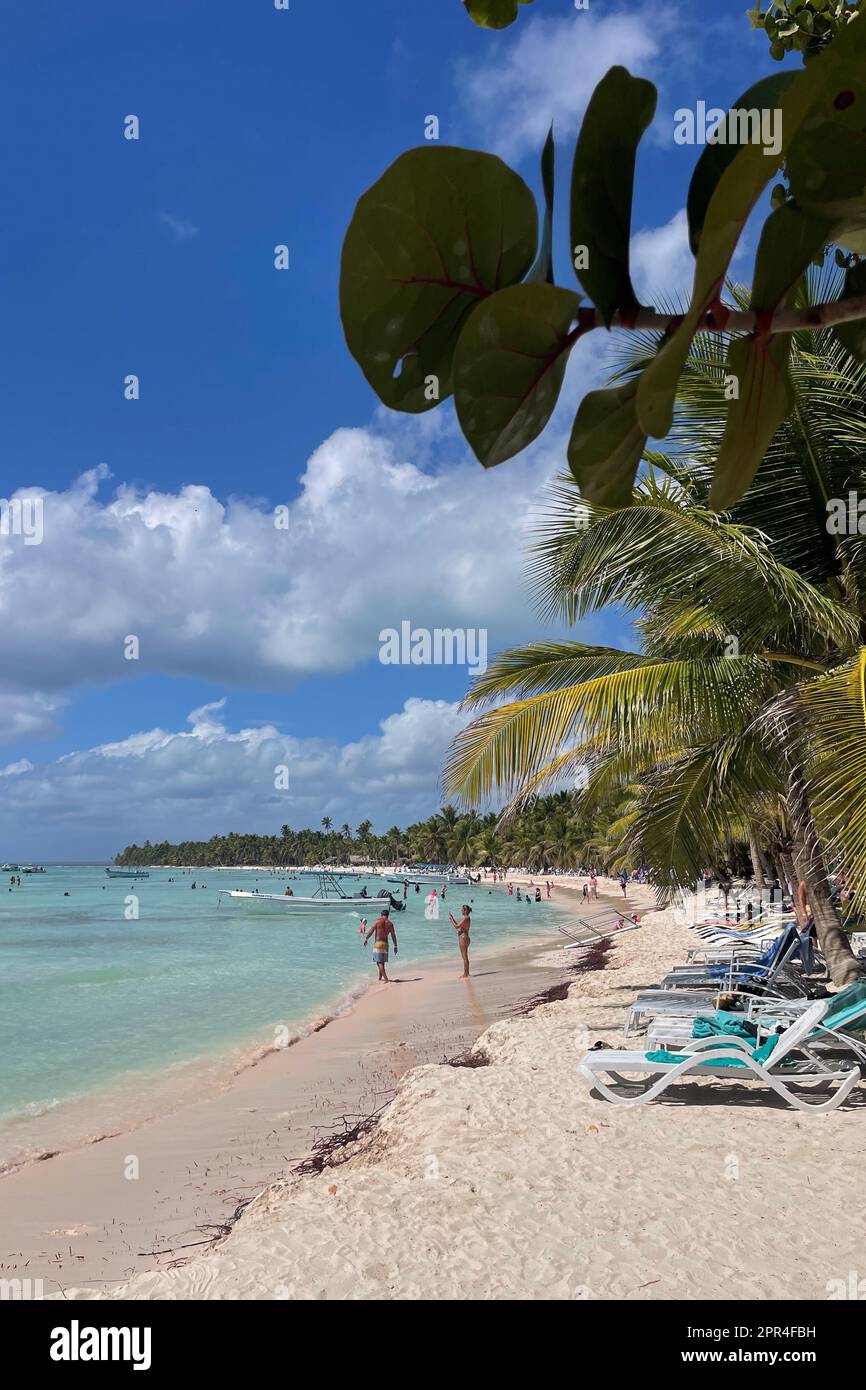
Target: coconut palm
[(749, 640), (486, 849)]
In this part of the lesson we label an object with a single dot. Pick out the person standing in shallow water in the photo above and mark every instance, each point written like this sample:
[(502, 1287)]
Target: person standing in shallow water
[(383, 928), (462, 930)]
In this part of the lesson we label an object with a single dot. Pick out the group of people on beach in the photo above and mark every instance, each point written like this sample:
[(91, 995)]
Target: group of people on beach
[(383, 933)]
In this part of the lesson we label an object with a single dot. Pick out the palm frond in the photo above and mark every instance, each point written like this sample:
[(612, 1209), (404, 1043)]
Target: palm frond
[(836, 710)]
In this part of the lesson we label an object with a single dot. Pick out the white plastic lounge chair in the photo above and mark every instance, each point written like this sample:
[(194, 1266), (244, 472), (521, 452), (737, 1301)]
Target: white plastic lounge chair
[(591, 933), (647, 1076), (780, 1000)]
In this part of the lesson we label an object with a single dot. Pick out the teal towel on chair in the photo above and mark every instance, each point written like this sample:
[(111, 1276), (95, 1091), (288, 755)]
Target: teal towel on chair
[(760, 1054), (724, 1024)]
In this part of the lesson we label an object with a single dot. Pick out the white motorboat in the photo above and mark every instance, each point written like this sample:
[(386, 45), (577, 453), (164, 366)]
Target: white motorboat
[(447, 878), (329, 894)]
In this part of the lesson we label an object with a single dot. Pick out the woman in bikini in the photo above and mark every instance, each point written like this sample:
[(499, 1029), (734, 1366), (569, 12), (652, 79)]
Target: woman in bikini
[(462, 930)]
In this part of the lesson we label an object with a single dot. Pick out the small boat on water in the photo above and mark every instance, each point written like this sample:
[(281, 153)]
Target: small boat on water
[(329, 894), (445, 878), (8, 868), (127, 873)]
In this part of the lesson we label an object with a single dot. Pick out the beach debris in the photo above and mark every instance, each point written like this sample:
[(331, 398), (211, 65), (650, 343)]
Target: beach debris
[(593, 958), (332, 1190), (327, 1151), (552, 995), (470, 1058)]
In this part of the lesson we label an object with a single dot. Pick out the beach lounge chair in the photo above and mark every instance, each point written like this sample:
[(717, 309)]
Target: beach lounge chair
[(600, 929), (762, 934), (784, 1063), (780, 1000), (841, 1027), (763, 970)]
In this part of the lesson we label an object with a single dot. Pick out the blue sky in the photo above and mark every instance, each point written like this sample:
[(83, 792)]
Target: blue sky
[(155, 257)]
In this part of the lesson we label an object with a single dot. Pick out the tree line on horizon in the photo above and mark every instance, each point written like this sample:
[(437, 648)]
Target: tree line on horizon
[(552, 833)]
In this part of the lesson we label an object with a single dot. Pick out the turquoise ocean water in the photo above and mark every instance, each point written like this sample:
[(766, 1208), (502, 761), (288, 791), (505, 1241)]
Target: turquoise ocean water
[(103, 1017)]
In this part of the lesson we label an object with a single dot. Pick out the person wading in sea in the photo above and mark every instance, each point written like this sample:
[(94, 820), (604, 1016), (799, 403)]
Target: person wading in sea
[(462, 930), (383, 928)]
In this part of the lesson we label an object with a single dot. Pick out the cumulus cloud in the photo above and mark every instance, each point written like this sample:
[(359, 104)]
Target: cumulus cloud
[(208, 779), (549, 73), (391, 522), (662, 263)]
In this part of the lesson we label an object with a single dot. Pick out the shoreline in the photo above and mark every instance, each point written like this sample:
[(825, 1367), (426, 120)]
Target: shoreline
[(134, 1098), (512, 1180), (57, 1217)]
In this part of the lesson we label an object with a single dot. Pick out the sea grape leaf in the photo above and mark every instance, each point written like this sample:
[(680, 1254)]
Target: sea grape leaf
[(542, 271), (790, 241), (766, 398), (715, 159), (737, 191), (852, 335), (826, 164), (602, 187), (607, 444), (494, 14), (509, 365), (439, 232), (759, 364)]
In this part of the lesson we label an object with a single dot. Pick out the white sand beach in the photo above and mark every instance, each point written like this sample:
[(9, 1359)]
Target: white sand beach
[(135, 1198), (511, 1181)]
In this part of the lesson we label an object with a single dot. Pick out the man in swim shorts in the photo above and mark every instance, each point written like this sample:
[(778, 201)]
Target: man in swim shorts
[(383, 928)]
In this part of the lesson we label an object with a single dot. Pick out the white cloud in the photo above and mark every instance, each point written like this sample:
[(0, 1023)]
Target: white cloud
[(16, 769), (209, 779), (662, 264), (381, 530), (25, 715), (549, 73)]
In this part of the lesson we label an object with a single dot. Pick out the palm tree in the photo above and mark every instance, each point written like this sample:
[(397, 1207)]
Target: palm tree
[(485, 849), (326, 822), (750, 641), (434, 840)]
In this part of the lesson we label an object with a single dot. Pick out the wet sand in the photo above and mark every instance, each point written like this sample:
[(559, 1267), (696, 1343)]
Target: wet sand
[(159, 1194)]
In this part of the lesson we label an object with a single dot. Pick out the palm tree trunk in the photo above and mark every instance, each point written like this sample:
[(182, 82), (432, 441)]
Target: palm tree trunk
[(757, 861), (842, 964), (788, 878), (779, 869), (766, 863)]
